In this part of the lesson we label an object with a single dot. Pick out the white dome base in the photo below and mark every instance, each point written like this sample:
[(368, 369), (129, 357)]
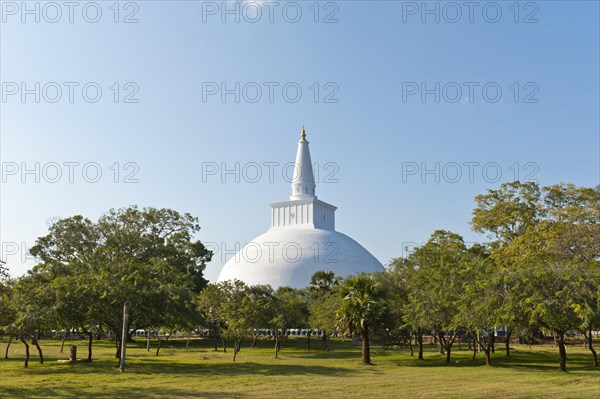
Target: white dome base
[(290, 256)]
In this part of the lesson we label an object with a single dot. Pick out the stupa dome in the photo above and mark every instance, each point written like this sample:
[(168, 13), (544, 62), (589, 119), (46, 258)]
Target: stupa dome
[(301, 241)]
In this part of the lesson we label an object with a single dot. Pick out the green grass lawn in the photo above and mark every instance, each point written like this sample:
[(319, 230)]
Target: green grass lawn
[(298, 373)]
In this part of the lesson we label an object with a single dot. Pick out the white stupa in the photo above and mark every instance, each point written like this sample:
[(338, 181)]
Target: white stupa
[(301, 241)]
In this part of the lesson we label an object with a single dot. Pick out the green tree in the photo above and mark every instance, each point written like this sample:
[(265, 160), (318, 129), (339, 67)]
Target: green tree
[(287, 309), (361, 308), (504, 215), (322, 304), (8, 313), (236, 309), (210, 301), (146, 258), (548, 243), (32, 301), (481, 305), (436, 287), (397, 281)]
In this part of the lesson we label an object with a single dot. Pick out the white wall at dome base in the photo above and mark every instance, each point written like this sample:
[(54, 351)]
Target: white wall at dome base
[(303, 213)]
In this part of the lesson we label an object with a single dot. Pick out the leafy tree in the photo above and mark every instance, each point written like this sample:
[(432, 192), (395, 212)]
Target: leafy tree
[(8, 313), (323, 302), (236, 309), (480, 307), (322, 315), (506, 213), (323, 281), (145, 258), (210, 302), (398, 282), (437, 287), (32, 300), (361, 309), (287, 309), (548, 244)]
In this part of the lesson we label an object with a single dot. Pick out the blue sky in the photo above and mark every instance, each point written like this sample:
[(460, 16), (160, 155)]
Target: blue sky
[(361, 66)]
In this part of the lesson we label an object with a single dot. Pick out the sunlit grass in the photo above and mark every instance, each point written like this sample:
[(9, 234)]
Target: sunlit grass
[(202, 372)]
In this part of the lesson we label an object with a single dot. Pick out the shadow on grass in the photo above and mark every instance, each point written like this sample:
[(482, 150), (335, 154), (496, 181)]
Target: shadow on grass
[(113, 392), (201, 368), (519, 359)]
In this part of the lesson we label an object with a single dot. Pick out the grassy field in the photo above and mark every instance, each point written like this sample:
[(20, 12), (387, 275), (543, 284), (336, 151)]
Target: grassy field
[(200, 372)]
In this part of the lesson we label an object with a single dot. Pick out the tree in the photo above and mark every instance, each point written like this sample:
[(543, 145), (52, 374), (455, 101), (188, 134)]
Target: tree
[(144, 258), (322, 304), (323, 281), (506, 213), (399, 281), (236, 309), (361, 308), (322, 315), (8, 313), (32, 301), (287, 309), (479, 309), (210, 301), (547, 243), (436, 287), (589, 311)]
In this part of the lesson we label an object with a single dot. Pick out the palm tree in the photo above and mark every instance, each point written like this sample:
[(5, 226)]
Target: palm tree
[(323, 281), (361, 306)]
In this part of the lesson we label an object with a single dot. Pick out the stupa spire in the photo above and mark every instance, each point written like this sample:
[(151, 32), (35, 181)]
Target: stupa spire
[(303, 182)]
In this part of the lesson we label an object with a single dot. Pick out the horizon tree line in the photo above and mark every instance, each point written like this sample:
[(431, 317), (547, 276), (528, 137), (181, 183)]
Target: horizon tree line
[(539, 271)]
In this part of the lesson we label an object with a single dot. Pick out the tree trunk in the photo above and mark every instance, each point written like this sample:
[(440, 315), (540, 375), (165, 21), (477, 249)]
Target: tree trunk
[(118, 346), (589, 339), (365, 350), (507, 343), (62, 341), (215, 342), (73, 353), (562, 352), (90, 339), (410, 346), (308, 339), (488, 357), (236, 349), (124, 339), (7, 346), (26, 352), (419, 338), (448, 349), (276, 345), (493, 341), (148, 340), (34, 341), (159, 344), (223, 343)]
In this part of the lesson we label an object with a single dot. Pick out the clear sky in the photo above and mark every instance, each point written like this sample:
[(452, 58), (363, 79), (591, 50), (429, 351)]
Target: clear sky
[(411, 109)]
